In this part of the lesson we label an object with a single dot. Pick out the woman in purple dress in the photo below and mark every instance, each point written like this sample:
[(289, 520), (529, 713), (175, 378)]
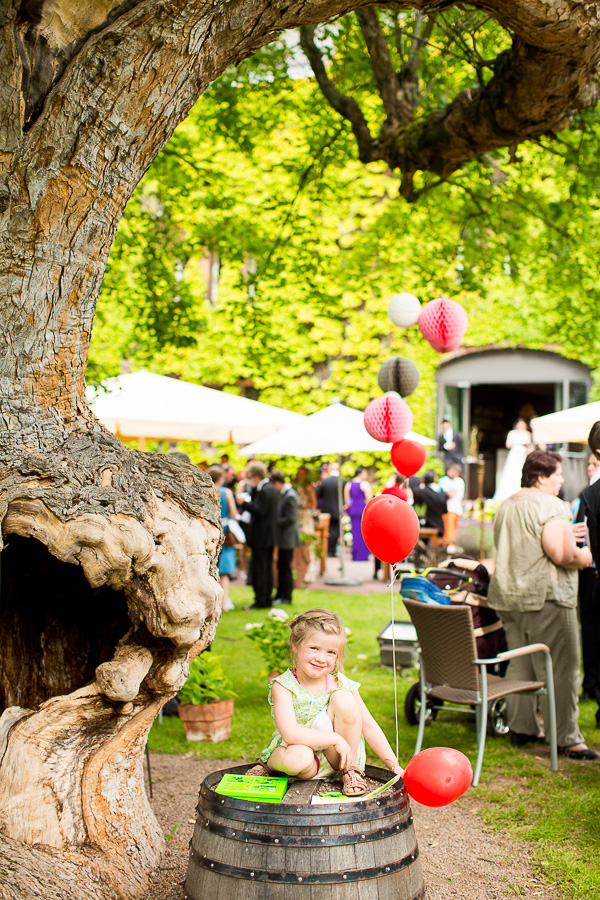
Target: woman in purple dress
[(357, 494)]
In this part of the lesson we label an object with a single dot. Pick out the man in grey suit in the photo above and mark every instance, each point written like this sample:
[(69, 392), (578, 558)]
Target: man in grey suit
[(288, 536)]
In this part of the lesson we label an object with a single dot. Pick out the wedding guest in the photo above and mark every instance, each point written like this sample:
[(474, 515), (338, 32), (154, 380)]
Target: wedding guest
[(397, 485), (589, 608), (430, 504), (453, 485), (227, 563), (450, 444), (534, 590), (261, 532), (308, 510), (328, 499), (357, 494), (519, 443), (288, 536)]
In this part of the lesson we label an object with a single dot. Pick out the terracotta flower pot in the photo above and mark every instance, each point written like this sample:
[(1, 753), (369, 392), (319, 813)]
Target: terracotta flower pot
[(208, 722)]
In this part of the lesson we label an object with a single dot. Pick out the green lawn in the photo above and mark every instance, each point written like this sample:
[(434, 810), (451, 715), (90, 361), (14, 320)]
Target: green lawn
[(518, 793)]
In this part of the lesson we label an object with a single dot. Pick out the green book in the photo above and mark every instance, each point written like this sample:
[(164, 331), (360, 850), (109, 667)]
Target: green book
[(253, 787)]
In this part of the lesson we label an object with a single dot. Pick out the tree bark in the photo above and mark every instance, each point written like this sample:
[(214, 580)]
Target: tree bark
[(109, 583)]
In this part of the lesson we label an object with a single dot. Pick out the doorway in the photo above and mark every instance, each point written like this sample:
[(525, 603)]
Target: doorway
[(493, 411)]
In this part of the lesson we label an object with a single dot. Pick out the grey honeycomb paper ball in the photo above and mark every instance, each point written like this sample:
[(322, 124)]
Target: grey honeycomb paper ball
[(398, 374)]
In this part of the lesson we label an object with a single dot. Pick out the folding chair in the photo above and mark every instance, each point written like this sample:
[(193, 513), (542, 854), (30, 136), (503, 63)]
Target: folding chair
[(451, 671)]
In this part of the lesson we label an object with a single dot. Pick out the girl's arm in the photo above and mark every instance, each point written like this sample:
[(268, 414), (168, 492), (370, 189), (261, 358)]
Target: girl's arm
[(367, 491), (376, 739), (231, 507), (292, 733)]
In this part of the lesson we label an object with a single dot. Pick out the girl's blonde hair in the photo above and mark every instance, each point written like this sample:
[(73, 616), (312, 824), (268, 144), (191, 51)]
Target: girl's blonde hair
[(318, 619)]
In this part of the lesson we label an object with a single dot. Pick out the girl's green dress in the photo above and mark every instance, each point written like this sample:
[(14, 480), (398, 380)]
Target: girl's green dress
[(307, 706)]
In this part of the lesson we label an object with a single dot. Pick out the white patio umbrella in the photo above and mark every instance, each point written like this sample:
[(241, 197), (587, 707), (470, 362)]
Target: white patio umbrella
[(566, 426), (145, 405), (336, 429)]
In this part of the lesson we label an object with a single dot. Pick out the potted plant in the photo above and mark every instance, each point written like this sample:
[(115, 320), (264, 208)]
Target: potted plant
[(272, 638), (206, 700)]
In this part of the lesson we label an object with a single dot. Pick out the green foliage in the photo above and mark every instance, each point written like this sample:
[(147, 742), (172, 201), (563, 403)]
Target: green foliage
[(272, 639), (311, 244), (207, 682)]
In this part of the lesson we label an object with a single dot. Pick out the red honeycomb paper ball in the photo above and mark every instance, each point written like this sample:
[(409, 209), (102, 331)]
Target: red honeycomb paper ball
[(388, 418), (443, 323)]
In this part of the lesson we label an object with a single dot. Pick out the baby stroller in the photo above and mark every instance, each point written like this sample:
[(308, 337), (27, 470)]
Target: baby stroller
[(460, 581)]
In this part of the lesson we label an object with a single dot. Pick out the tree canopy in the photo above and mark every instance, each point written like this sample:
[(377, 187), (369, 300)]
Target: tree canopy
[(311, 242)]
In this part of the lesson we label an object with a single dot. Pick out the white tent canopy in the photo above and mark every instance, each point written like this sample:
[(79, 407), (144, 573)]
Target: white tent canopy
[(566, 426), (334, 430), (144, 405)]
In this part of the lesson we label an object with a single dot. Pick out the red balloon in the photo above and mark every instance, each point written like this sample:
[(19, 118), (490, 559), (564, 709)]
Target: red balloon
[(438, 776), (443, 323), (408, 457), (390, 528), (388, 418)]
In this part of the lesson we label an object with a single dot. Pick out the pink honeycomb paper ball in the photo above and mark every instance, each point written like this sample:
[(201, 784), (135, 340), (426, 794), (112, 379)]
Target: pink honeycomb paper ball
[(388, 418), (443, 323)]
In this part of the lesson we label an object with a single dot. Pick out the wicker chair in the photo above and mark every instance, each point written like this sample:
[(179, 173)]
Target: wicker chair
[(451, 671)]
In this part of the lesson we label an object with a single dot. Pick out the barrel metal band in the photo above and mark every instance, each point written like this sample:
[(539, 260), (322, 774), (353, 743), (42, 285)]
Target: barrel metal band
[(283, 877), (265, 814), (295, 840)]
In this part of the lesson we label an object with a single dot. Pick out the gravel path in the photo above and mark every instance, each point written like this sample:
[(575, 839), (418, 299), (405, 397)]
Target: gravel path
[(459, 857)]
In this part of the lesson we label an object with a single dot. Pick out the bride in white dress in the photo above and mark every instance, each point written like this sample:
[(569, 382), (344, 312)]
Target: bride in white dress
[(518, 442)]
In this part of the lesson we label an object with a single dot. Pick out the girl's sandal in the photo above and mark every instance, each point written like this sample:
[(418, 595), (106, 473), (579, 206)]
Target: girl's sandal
[(353, 781), (261, 770)]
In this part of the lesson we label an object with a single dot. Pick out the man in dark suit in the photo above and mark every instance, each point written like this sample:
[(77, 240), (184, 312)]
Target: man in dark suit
[(288, 536), (328, 500), (431, 504), (450, 445), (261, 533), (590, 498)]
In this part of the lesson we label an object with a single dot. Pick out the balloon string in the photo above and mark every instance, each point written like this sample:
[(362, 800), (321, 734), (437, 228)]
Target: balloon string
[(391, 586)]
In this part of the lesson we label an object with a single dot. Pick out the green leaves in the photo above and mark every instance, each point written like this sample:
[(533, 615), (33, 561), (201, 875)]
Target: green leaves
[(307, 244), (207, 682), (272, 639)]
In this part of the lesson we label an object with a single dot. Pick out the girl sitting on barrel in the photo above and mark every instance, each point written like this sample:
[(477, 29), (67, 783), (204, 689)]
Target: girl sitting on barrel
[(321, 721)]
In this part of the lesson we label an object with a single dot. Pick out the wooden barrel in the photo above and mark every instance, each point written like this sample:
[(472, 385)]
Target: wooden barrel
[(243, 850)]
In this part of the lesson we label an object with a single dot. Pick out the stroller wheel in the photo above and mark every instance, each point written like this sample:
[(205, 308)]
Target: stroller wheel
[(412, 706), (497, 721)]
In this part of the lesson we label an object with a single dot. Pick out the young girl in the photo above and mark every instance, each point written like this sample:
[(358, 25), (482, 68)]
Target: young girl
[(321, 720)]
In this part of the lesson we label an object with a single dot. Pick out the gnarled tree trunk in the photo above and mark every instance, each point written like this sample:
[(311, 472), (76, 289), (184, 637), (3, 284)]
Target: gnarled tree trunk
[(109, 582), (108, 555)]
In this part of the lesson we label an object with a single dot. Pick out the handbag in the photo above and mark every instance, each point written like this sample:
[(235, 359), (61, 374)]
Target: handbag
[(233, 533)]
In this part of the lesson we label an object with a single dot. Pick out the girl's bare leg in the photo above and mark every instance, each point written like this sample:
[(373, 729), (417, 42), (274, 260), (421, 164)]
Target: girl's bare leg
[(297, 760), (347, 721), (225, 582)]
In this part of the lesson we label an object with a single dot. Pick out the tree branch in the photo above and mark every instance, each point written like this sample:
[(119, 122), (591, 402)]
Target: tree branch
[(395, 104), (537, 85), (347, 107)]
